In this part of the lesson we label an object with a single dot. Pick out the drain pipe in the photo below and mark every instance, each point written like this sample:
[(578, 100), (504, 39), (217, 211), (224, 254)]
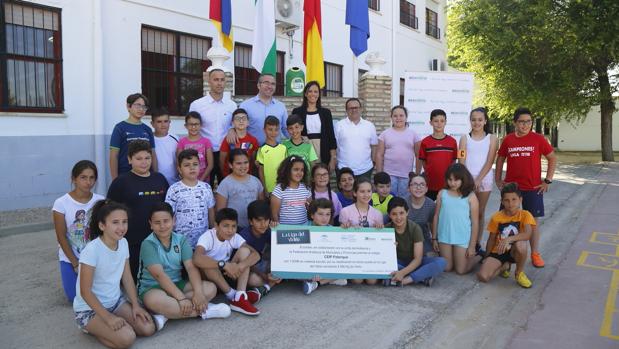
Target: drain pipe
[(97, 97)]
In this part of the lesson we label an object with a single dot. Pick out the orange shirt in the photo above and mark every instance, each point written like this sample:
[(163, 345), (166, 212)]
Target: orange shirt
[(505, 226)]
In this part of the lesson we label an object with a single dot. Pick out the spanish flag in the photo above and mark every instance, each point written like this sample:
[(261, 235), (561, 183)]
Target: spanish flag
[(221, 14), (312, 42)]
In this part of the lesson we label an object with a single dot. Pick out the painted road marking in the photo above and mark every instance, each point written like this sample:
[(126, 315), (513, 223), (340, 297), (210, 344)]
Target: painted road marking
[(595, 260)]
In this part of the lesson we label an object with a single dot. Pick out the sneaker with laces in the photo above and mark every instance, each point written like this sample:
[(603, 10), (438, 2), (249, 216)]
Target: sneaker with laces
[(216, 311), (389, 282), (263, 291), (242, 305), (536, 260), (159, 321), (309, 286), (253, 296), (340, 282), (523, 280), (506, 270)]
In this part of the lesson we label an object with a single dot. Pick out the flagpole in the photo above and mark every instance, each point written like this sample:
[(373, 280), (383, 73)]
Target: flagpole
[(355, 76)]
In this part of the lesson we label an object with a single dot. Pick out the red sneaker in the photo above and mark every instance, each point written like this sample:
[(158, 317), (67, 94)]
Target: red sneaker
[(244, 306), (253, 296)]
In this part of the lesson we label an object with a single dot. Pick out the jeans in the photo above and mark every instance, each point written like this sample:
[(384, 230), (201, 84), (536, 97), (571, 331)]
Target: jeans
[(430, 267), (69, 279), (399, 186)]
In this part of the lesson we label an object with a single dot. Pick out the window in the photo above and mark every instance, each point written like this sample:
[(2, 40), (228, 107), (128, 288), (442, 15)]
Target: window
[(432, 28), (172, 68), (407, 14), (401, 91), (374, 5), (246, 77), (30, 58), (333, 80)]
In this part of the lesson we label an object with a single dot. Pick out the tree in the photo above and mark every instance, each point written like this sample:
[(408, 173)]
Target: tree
[(554, 56)]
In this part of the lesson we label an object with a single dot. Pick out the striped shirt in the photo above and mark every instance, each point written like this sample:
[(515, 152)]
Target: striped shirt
[(292, 209)]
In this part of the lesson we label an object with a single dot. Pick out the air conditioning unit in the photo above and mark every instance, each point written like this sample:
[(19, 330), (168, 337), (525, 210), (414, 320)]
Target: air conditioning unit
[(288, 13)]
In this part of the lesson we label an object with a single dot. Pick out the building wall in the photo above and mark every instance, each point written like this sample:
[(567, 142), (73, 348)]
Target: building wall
[(585, 136)]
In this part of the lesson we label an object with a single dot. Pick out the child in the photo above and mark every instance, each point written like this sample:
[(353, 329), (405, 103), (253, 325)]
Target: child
[(321, 213), (161, 286), (436, 152), (245, 141), (258, 236), (127, 131), (166, 144), (139, 189), (345, 182), (296, 145), (509, 229), (270, 155), (194, 140), (240, 188), (289, 198), (454, 229), (413, 265), (321, 188), (421, 208), (481, 147), (192, 200), (382, 196), (215, 256), (100, 307), (71, 213)]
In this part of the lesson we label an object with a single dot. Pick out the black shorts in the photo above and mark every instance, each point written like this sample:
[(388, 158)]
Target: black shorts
[(503, 258)]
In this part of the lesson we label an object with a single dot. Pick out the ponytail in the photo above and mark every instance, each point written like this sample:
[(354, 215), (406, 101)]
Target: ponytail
[(100, 211)]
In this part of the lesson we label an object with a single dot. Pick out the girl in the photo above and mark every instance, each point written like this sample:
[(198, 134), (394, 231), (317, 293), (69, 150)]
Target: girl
[(321, 188), (454, 230), (70, 214), (290, 195), (481, 147), (397, 151), (194, 140), (99, 305), (345, 182), (163, 290), (421, 208), (239, 188)]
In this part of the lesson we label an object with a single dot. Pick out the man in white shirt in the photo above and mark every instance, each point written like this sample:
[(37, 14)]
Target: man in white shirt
[(356, 141), (216, 112)]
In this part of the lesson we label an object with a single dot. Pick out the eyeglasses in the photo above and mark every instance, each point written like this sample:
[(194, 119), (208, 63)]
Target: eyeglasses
[(240, 118), (525, 122), (140, 106), (326, 174)]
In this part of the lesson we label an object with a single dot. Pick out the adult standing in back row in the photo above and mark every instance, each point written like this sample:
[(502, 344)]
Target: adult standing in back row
[(523, 151), (318, 123), (261, 106)]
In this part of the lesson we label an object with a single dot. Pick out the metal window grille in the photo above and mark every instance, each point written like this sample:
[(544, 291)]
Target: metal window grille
[(432, 28), (333, 80), (407, 14), (374, 5), (401, 91), (30, 58), (172, 68), (246, 77)]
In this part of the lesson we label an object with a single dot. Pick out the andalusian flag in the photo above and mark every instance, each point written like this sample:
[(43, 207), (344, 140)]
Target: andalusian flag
[(221, 14), (263, 54), (312, 42)]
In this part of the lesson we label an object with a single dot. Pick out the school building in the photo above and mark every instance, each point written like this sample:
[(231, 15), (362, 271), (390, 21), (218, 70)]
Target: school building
[(67, 66)]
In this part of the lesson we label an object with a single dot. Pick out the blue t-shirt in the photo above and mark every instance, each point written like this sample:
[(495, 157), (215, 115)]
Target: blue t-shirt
[(259, 244), (125, 132), (344, 200)]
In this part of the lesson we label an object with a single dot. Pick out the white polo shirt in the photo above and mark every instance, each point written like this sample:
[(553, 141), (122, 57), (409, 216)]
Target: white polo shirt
[(216, 117), (353, 144)]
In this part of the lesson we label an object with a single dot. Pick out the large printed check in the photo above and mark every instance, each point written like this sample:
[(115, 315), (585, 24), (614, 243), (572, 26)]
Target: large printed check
[(301, 252)]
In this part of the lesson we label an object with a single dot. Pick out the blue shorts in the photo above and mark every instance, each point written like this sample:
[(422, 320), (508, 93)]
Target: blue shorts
[(533, 202)]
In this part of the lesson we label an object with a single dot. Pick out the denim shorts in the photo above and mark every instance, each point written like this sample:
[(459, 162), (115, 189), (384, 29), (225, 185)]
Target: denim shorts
[(83, 317)]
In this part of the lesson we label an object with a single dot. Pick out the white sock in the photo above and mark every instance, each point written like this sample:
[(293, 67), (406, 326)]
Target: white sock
[(267, 287), (231, 295)]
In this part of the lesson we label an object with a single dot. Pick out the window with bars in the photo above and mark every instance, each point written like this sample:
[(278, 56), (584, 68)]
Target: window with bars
[(374, 5), (333, 80), (432, 28), (401, 91), (246, 77), (30, 58), (172, 67), (407, 14)]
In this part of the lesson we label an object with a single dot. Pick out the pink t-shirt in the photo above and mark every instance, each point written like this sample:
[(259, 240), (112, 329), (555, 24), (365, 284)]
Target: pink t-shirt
[(350, 214), (337, 205), (399, 157), (201, 145)]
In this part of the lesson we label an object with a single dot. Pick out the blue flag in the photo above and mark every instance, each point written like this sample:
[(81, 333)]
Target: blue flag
[(359, 20)]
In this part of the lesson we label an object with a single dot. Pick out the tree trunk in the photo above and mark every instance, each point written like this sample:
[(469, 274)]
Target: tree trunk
[(607, 107)]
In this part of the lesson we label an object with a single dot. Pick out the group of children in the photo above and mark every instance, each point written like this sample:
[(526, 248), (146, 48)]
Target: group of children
[(183, 242)]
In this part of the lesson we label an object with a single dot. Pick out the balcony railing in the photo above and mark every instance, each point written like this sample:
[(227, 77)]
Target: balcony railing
[(433, 31)]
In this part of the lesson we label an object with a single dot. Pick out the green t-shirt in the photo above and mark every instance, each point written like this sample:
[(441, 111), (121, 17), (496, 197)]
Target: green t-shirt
[(406, 240), (171, 260), (381, 206), (270, 157), (304, 150)]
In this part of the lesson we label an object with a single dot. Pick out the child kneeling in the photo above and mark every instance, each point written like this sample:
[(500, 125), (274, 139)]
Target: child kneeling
[(161, 286), (509, 229)]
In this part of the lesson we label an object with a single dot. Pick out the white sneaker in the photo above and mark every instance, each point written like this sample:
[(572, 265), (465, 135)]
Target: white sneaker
[(309, 286), (159, 321), (216, 311), (340, 282)]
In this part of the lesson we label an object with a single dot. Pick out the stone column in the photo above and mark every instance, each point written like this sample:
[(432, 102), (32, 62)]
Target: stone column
[(375, 93)]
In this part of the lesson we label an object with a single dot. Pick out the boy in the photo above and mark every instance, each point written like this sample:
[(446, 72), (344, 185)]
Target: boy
[(295, 144), (509, 229), (436, 152), (382, 196), (245, 140), (270, 155), (127, 131), (214, 256), (165, 143), (192, 200), (139, 189)]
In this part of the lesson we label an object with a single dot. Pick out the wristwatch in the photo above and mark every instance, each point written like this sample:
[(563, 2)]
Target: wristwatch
[(547, 181), (221, 264)]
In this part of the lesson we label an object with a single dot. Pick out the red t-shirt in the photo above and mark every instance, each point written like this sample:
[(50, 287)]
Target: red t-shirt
[(438, 155), (524, 159), (249, 143)]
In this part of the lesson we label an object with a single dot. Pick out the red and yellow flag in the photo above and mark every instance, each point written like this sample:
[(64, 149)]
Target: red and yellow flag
[(220, 12), (312, 42)]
